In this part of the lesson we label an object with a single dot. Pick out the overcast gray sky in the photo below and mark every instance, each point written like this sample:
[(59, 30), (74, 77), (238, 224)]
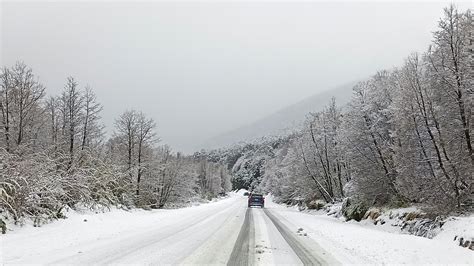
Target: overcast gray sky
[(203, 68)]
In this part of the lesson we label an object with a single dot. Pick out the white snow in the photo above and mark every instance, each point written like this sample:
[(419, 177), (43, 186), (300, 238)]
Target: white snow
[(457, 226), (140, 236), (354, 243), (206, 234)]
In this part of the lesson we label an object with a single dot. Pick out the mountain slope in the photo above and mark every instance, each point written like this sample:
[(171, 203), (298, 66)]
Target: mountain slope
[(284, 120)]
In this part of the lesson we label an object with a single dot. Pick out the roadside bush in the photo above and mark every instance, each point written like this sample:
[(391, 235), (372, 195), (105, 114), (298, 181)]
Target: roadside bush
[(34, 186), (40, 186)]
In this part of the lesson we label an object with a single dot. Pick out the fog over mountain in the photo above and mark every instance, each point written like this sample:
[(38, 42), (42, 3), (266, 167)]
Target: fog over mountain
[(283, 121)]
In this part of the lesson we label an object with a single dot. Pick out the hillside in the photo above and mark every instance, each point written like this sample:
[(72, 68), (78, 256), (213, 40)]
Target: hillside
[(284, 120)]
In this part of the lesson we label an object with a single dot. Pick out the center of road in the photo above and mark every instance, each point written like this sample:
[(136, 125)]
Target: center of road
[(245, 249), (242, 254)]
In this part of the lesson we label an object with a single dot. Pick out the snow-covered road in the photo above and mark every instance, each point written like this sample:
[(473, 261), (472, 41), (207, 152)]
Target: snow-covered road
[(202, 234), (222, 232)]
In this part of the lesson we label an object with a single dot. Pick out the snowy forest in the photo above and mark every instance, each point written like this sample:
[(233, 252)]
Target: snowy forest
[(405, 137), (54, 154)]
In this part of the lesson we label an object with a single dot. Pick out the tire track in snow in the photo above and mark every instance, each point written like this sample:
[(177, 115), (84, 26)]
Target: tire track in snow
[(242, 254), (270, 246), (308, 255), (222, 239)]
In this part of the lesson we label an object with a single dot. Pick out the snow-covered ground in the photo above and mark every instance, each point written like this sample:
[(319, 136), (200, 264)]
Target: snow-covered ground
[(165, 236), (356, 243), (457, 227), (207, 234)]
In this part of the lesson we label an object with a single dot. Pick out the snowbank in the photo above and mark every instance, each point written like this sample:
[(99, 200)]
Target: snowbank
[(411, 220), (457, 228), (366, 243)]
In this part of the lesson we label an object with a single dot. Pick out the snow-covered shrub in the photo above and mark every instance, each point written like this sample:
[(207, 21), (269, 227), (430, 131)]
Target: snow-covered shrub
[(334, 210), (424, 227), (106, 183), (39, 186), (31, 186)]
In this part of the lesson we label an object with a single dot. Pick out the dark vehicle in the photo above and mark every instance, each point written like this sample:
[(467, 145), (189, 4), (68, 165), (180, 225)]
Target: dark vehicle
[(256, 200)]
